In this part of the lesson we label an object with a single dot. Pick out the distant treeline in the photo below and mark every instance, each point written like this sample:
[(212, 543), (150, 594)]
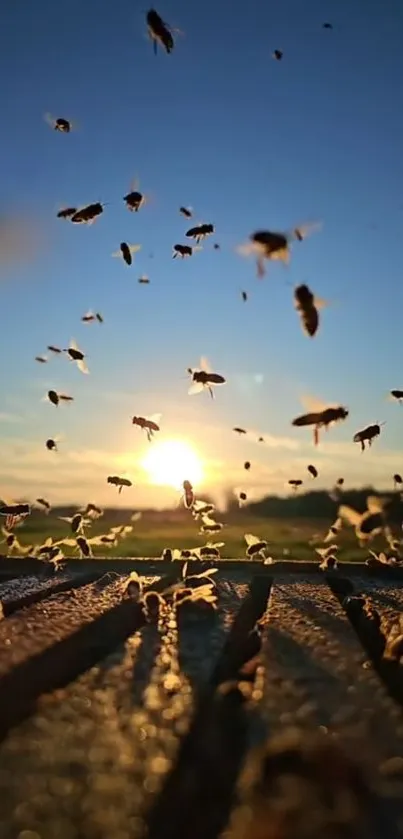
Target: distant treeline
[(315, 504)]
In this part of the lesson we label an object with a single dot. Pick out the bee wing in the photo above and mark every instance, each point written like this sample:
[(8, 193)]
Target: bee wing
[(134, 185), (50, 119), (155, 418), (204, 365), (250, 539), (319, 303), (304, 230), (82, 366), (312, 404), (136, 516), (246, 249), (349, 515), (195, 387), (117, 254), (375, 504), (73, 345), (134, 248)]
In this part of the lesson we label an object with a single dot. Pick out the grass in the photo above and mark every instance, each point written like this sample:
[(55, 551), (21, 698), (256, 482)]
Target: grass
[(287, 538)]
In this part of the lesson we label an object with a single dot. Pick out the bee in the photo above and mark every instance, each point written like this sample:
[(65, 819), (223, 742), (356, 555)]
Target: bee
[(312, 470), (89, 317), (328, 557), (64, 126), (15, 510), (133, 587), (241, 496), (201, 508), (51, 445), (209, 525), (397, 394), (116, 481), (244, 296), (239, 430), (42, 359), (125, 252), (188, 495), (76, 522), (210, 550), (12, 543), (186, 211), (203, 378), (83, 546), (295, 483), (367, 435), (150, 425), (321, 419), (159, 32), (255, 546), (183, 251), (143, 280), (167, 554), (67, 212), (154, 605), (307, 307), (334, 530), (55, 398), (201, 231), (88, 214), (327, 26), (273, 246), (44, 505), (53, 349), (247, 465), (397, 480), (277, 54), (75, 354), (368, 524)]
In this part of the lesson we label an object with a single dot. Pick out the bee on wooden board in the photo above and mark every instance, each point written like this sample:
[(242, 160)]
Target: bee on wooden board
[(367, 435), (67, 212), (204, 379), (90, 316), (60, 124), (55, 398), (133, 587), (200, 232), (188, 495), (307, 306), (126, 252), (116, 481), (255, 546), (244, 295), (267, 245), (184, 251), (328, 557), (88, 214), (76, 355), (148, 424), (321, 417), (159, 32)]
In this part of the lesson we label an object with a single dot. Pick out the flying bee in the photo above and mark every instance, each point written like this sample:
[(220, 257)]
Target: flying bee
[(149, 425), (116, 481), (88, 214), (209, 525), (321, 419), (183, 251), (126, 251), (367, 435), (312, 470), (239, 430), (186, 211), (334, 530), (328, 557), (143, 280), (42, 359), (241, 496), (67, 212), (397, 394), (89, 317), (201, 231), (244, 296), (201, 508), (15, 510), (255, 546), (55, 398), (210, 550), (83, 546), (76, 522), (247, 465), (203, 378), (53, 349), (277, 54), (267, 245), (367, 524), (64, 126), (76, 355), (188, 495), (327, 26), (295, 483), (43, 505), (307, 307), (51, 445), (159, 32), (397, 480)]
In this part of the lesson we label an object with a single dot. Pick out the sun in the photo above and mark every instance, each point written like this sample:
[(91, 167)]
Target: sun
[(171, 462)]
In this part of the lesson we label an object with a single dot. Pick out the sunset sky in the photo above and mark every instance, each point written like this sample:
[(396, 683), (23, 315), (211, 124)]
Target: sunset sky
[(249, 143)]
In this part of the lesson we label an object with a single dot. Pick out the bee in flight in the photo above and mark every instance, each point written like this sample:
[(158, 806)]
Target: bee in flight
[(312, 470), (76, 355), (367, 524), (148, 424), (255, 546), (187, 212), (183, 250), (43, 505), (125, 252), (55, 398), (87, 214), (15, 510), (267, 245), (67, 212), (54, 350), (321, 419), (295, 483), (277, 54), (64, 126), (116, 481), (204, 379), (51, 444), (159, 32), (42, 359), (397, 481), (188, 495), (367, 435), (397, 394), (143, 280), (89, 317), (308, 307), (200, 232)]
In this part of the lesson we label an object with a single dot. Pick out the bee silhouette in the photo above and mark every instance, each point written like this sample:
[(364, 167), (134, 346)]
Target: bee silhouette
[(200, 232), (321, 419), (159, 32), (64, 126), (397, 480), (116, 481), (295, 483), (125, 252), (239, 430), (44, 505), (134, 200), (41, 359), (67, 212), (88, 214), (149, 425), (55, 398), (76, 355), (183, 250), (51, 445), (204, 379), (15, 509), (268, 245), (154, 605), (327, 26), (367, 435), (55, 350), (278, 54), (188, 495), (312, 470), (244, 296), (397, 394), (89, 317), (367, 524), (255, 546), (307, 307), (186, 211), (143, 280), (247, 465), (133, 587), (76, 522)]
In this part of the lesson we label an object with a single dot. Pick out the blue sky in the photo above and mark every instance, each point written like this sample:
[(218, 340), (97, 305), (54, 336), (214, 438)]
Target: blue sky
[(249, 143)]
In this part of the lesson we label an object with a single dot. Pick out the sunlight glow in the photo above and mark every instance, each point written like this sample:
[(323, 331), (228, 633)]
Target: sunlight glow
[(170, 462)]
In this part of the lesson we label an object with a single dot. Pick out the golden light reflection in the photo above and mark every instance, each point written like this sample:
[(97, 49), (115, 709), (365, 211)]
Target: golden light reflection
[(170, 462)]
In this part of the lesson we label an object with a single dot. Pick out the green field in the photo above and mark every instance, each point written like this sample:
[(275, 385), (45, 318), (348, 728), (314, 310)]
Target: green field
[(287, 538)]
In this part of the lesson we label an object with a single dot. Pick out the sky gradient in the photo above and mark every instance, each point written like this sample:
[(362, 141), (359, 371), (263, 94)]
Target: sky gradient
[(249, 143)]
